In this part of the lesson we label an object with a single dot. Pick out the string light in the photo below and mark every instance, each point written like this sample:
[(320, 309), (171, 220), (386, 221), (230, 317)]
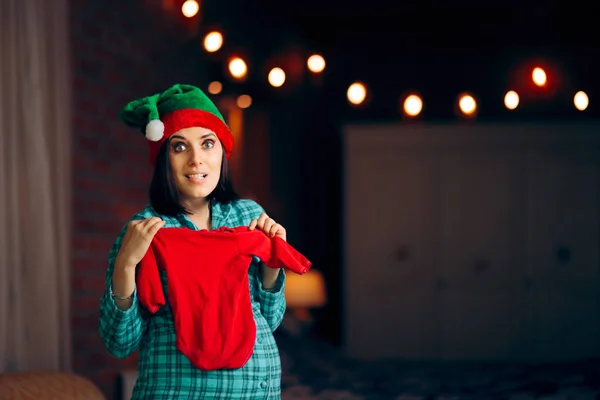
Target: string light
[(539, 76), (238, 68), (316, 63), (581, 100), (215, 87), (356, 94), (511, 100), (244, 101), (413, 105), (276, 77), (213, 41), (190, 8), (467, 104)]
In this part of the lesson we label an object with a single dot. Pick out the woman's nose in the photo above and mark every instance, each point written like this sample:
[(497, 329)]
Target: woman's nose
[(195, 157)]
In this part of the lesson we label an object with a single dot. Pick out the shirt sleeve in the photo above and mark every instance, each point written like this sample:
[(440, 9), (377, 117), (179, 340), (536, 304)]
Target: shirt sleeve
[(272, 302), (121, 330)]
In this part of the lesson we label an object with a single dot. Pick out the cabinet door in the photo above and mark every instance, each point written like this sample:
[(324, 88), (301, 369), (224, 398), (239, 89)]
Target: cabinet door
[(481, 253), (563, 300), (389, 249)]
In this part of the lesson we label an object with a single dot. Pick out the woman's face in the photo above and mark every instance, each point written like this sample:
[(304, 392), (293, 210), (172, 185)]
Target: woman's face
[(195, 155)]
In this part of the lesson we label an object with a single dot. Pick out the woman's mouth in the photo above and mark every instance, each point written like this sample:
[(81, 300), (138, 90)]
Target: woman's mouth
[(196, 178)]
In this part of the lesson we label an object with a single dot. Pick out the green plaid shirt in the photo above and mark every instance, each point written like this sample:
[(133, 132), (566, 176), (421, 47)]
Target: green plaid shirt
[(163, 371)]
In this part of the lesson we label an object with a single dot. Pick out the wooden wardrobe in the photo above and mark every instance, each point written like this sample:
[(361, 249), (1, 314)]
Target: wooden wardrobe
[(472, 242)]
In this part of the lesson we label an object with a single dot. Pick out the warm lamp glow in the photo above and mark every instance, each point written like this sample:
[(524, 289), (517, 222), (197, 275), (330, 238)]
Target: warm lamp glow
[(316, 63), (305, 291), (213, 41), (276, 77), (190, 8), (357, 92), (581, 101), (413, 105), (511, 100), (237, 67), (539, 76)]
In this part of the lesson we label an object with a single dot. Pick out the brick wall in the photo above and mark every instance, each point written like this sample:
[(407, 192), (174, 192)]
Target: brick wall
[(121, 49)]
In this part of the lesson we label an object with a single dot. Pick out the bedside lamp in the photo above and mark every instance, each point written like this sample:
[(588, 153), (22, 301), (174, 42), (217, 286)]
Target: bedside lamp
[(303, 292)]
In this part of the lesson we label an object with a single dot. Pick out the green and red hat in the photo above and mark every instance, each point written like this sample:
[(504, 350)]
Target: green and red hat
[(179, 107)]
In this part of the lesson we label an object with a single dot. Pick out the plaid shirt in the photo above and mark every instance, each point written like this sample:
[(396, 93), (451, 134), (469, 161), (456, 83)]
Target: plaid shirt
[(163, 371)]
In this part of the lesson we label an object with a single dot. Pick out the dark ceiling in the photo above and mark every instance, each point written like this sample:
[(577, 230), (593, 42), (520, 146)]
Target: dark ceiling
[(435, 46), (391, 31), (337, 23)]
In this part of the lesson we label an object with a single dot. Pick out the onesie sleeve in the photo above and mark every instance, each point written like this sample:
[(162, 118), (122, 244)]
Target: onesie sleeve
[(274, 252), (254, 243), (150, 291), (121, 331)]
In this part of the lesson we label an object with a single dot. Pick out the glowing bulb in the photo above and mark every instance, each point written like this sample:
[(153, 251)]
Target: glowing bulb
[(539, 76), (357, 92), (276, 77), (213, 41), (413, 105), (467, 104), (215, 87), (244, 101), (581, 101), (237, 67), (511, 100), (316, 63), (190, 8)]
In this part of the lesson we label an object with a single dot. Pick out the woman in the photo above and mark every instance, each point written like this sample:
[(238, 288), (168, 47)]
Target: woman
[(189, 147)]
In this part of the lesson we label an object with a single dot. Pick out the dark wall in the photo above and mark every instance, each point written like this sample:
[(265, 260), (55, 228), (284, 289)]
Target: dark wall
[(120, 50)]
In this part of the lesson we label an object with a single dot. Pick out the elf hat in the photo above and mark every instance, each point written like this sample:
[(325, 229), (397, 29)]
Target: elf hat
[(179, 107)]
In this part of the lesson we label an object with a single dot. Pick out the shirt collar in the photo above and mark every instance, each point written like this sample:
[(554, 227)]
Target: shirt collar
[(219, 215)]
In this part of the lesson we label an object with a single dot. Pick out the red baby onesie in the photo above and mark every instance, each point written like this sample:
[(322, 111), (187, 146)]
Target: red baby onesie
[(207, 274)]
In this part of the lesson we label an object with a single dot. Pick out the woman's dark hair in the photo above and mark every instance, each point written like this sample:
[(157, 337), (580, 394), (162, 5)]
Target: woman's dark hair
[(163, 193)]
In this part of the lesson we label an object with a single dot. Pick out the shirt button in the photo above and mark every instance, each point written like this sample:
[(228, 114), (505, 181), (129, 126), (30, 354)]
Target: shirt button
[(263, 384), (259, 340)]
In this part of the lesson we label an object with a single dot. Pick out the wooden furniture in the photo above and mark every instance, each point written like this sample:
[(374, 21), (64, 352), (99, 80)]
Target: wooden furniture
[(47, 386), (472, 242)]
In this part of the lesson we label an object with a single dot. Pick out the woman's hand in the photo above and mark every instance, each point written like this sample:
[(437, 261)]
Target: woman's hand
[(271, 229), (137, 240), (268, 226)]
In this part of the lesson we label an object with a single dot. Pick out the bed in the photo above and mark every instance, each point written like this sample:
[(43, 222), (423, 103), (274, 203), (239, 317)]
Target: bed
[(316, 370)]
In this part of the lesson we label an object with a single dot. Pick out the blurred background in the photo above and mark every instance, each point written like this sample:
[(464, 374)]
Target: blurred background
[(439, 163)]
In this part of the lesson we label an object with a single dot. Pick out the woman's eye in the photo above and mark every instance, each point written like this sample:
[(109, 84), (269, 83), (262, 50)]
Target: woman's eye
[(179, 147), (209, 144)]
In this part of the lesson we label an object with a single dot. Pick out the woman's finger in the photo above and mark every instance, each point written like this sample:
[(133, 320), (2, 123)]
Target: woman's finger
[(253, 224), (262, 219), (152, 231), (268, 225), (275, 229), (150, 223)]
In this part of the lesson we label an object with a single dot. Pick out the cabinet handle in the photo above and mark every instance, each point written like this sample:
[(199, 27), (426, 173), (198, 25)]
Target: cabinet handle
[(481, 264), (441, 284), (563, 254), (402, 254)]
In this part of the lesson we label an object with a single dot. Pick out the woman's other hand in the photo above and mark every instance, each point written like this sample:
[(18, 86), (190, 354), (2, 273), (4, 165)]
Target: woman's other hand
[(268, 226)]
